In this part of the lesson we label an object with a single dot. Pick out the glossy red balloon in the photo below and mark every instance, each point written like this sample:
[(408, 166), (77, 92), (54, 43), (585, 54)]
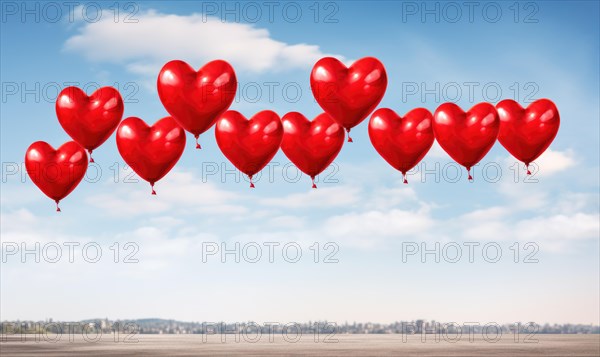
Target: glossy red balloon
[(89, 120), (196, 98), (151, 151), (311, 146), (349, 95), (249, 143), (402, 142), (466, 137), (527, 133), (56, 172)]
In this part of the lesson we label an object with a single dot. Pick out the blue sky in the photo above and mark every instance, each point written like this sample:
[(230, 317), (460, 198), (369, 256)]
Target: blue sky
[(546, 50)]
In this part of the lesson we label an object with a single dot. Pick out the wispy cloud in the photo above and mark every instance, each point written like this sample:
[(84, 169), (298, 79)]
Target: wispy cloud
[(143, 47), (179, 191)]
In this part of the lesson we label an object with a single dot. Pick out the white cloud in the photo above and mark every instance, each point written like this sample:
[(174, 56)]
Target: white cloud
[(24, 226), (523, 195), (524, 192), (553, 161), (557, 231), (552, 233), (371, 228), (549, 163), (157, 38), (436, 152), (387, 198), (160, 247), (287, 221), (180, 190), (338, 196), (573, 202), (568, 218)]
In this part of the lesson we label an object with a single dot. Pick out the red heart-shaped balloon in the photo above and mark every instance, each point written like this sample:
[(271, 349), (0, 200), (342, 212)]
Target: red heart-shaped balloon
[(249, 143), (89, 120), (349, 95), (527, 133), (56, 172), (402, 142), (311, 146), (151, 151), (196, 99), (466, 137)]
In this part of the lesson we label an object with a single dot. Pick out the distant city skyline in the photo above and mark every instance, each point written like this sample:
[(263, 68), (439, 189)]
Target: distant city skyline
[(165, 326)]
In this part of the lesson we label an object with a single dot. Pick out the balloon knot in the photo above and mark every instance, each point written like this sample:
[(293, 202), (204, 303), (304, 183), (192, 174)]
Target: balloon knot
[(91, 158), (349, 137), (152, 186), (197, 143), (527, 167), (57, 208), (313, 182), (251, 183), (469, 172), (404, 178)]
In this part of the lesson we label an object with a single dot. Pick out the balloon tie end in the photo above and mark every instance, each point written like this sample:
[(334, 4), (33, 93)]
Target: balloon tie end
[(91, 158), (152, 186), (527, 167), (349, 137), (313, 182), (57, 208), (469, 172), (404, 179), (251, 183), (197, 143)]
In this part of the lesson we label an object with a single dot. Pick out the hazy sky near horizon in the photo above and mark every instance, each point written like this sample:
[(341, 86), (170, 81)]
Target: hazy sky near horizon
[(534, 241)]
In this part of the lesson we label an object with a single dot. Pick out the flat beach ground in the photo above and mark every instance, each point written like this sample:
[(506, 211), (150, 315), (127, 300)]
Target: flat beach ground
[(308, 345)]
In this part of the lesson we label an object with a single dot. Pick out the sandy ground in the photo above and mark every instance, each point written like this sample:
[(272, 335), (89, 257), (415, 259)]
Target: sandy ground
[(308, 345)]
